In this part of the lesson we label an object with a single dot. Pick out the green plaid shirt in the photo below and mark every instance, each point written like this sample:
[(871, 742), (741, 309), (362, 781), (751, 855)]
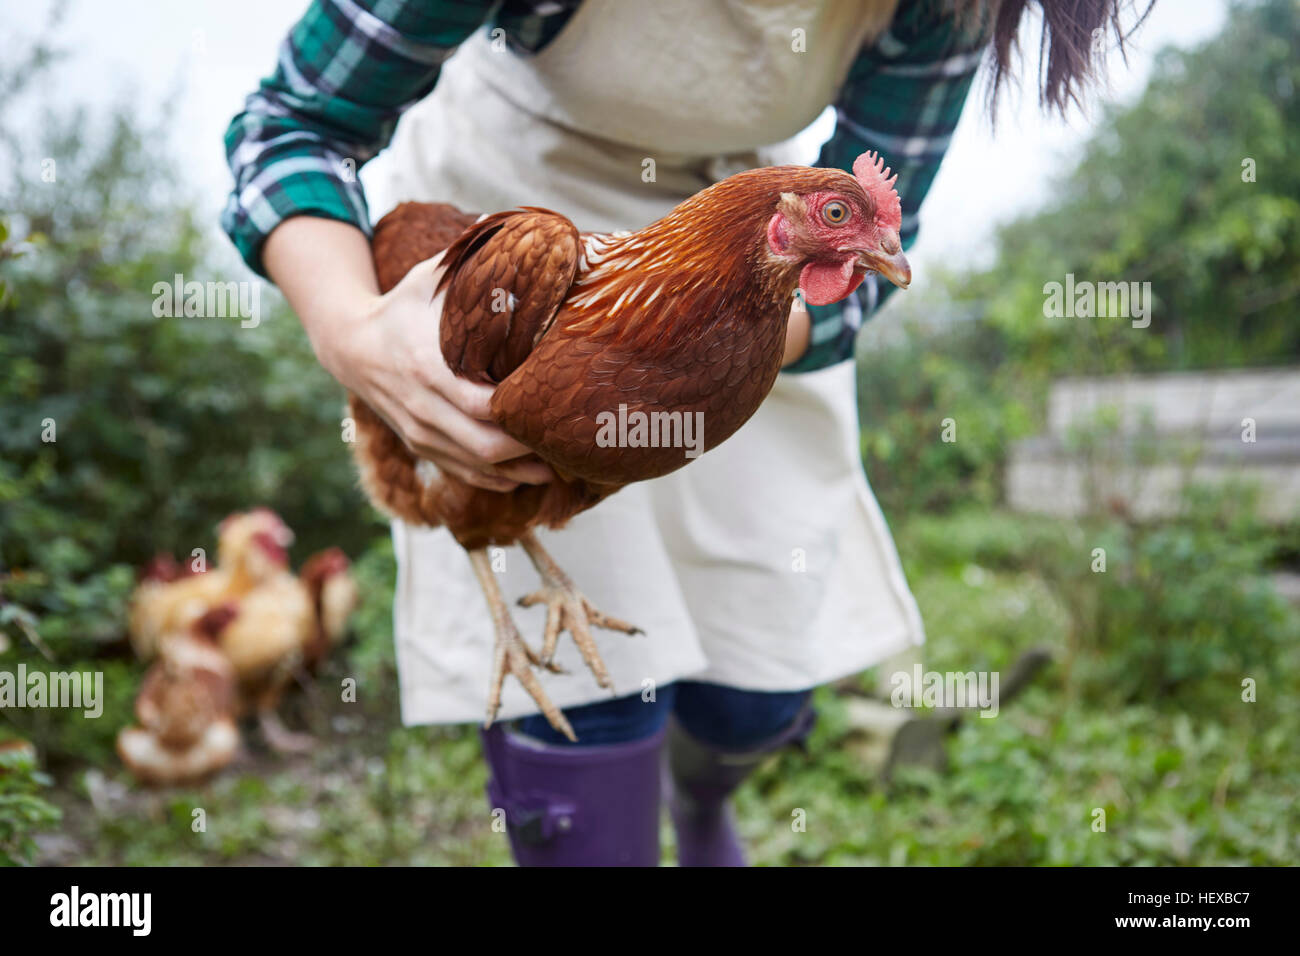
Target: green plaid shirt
[(349, 68)]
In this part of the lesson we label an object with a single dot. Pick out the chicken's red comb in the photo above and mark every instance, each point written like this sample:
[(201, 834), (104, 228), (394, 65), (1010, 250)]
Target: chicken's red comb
[(162, 567), (323, 564), (873, 175)]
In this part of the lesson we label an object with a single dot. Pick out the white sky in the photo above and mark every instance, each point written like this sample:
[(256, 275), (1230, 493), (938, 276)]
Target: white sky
[(215, 51)]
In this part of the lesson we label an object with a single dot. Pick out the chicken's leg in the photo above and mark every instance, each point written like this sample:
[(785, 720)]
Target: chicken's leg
[(510, 652), (280, 738), (567, 609)]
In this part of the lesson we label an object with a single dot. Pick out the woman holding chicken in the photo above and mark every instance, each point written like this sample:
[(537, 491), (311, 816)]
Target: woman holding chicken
[(763, 570)]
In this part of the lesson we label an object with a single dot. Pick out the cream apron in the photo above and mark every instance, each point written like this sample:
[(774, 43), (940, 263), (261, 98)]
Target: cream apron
[(765, 564)]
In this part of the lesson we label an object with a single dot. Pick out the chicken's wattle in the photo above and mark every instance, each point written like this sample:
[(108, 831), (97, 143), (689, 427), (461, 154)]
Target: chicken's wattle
[(826, 282)]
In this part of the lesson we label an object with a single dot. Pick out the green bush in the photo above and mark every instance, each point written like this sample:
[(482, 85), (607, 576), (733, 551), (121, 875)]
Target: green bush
[(1161, 194), (910, 391), (1184, 610), (1185, 607), (23, 811), (1193, 188), (160, 426)]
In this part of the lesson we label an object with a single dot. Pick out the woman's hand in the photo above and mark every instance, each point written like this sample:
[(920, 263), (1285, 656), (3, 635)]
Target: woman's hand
[(390, 356), (385, 349)]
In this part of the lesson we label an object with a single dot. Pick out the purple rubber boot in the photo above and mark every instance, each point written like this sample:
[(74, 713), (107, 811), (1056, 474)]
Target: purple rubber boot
[(576, 806), (700, 781)]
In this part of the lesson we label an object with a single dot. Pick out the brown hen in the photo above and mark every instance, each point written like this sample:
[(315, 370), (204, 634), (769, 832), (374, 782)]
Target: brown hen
[(184, 707), (686, 317)]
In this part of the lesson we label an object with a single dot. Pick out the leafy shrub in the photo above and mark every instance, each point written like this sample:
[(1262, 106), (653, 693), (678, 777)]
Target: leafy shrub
[(1193, 188), (23, 811), (1184, 608), (161, 426), (1154, 198), (991, 538)]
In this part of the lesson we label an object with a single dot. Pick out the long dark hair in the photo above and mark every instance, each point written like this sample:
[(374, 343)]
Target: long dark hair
[(1071, 57)]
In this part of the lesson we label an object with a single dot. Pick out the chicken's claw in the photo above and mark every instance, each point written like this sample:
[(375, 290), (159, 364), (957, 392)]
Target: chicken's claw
[(510, 653), (568, 610), (280, 738)]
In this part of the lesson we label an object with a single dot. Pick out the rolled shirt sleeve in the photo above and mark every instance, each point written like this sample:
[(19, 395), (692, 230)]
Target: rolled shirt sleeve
[(903, 97), (344, 74)]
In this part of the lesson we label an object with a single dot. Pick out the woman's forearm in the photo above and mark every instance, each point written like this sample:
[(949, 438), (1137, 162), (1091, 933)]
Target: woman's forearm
[(324, 269)]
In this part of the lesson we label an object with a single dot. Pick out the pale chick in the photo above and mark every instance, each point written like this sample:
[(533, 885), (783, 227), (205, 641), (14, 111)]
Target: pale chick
[(184, 707), (251, 548), (272, 624), (284, 626)]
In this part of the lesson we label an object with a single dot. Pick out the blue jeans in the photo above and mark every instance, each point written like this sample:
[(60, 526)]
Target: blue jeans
[(722, 717)]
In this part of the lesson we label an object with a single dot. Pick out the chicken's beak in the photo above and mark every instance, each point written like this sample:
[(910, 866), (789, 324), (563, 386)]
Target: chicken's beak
[(888, 260)]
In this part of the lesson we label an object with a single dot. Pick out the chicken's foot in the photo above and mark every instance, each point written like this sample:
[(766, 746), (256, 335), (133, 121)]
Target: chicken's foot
[(511, 654), (567, 609), (279, 737)]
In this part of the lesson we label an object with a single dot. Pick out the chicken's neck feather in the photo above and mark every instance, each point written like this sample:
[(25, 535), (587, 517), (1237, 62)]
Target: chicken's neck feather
[(704, 265)]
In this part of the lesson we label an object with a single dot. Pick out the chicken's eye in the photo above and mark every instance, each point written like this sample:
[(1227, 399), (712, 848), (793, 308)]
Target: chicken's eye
[(835, 213)]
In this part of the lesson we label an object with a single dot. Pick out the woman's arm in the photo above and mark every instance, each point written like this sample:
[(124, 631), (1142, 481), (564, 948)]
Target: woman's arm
[(343, 77), (298, 215)]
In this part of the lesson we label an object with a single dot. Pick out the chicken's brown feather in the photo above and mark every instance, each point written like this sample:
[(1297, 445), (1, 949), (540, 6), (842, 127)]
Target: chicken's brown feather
[(687, 315), (524, 259), (411, 233), (506, 277)]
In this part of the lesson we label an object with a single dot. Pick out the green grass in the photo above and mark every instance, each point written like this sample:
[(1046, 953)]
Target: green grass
[(1212, 781), (1177, 786)]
